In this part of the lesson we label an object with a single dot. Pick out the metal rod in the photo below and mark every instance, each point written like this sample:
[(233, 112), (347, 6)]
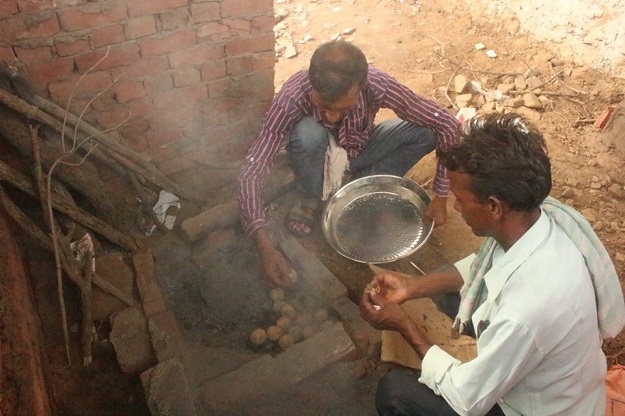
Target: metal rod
[(416, 267)]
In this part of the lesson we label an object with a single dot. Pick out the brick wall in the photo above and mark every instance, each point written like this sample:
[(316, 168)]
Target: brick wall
[(185, 81)]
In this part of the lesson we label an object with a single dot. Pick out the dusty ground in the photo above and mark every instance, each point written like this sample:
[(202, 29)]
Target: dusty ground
[(426, 46)]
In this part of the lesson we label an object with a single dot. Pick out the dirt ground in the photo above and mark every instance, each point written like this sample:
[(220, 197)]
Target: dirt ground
[(425, 46)]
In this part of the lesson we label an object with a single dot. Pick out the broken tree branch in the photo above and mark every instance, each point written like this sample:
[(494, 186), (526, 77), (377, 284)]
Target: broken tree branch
[(44, 241), (24, 184)]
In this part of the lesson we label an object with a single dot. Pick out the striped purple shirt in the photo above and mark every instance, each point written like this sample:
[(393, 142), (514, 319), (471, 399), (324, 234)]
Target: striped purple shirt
[(293, 102)]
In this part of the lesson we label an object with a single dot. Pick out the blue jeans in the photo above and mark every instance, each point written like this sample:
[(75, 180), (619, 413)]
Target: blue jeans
[(395, 146)]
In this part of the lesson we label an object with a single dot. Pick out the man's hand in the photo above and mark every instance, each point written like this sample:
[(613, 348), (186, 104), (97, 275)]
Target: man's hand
[(383, 314), (273, 263), (380, 312), (393, 285), (437, 210)]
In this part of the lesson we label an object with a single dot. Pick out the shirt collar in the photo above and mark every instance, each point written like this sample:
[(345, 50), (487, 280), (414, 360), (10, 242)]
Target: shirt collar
[(508, 262)]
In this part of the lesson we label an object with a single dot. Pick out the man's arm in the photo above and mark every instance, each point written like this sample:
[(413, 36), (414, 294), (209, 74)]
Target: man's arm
[(423, 111)]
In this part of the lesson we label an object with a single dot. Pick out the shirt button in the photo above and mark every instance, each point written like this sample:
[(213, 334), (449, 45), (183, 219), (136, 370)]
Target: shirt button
[(436, 114)]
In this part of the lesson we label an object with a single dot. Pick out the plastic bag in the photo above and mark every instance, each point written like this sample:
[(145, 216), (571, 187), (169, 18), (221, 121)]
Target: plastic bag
[(615, 391)]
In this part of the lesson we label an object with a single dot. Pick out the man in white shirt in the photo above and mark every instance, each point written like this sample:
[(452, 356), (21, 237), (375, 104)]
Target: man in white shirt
[(540, 295)]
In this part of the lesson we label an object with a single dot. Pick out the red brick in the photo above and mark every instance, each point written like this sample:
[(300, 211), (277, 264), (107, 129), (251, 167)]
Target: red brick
[(8, 7), (7, 54), (263, 24), (141, 107), (181, 97), (205, 12), (70, 45), (144, 66), (158, 83), (196, 55), (186, 76), (108, 35), (239, 27), (138, 143), (46, 72), (264, 60), (135, 127), (177, 116), (87, 86), (175, 19), (42, 25), (139, 27), (220, 87), (31, 55), (118, 56), (253, 44), (30, 6), (239, 65), (214, 32), (174, 165), (230, 8), (105, 102), (91, 15), (169, 43), (128, 91), (158, 138), (162, 153), (112, 119), (141, 8), (13, 29)]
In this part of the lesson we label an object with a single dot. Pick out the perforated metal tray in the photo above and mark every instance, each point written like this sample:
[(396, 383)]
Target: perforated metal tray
[(377, 219)]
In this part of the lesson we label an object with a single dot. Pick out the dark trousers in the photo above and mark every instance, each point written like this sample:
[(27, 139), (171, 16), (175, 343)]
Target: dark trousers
[(395, 146), (400, 393)]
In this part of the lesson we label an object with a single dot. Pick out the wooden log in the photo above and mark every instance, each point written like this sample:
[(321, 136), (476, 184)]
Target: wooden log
[(83, 176), (226, 214), (23, 183), (44, 241), (110, 150)]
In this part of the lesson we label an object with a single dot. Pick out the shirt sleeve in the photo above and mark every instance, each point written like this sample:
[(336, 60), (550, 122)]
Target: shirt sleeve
[(506, 353), (283, 114), (464, 266), (425, 112)]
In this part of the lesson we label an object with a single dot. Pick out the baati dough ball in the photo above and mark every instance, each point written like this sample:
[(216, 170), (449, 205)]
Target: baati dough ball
[(284, 322), (286, 341), (292, 277), (278, 305), (276, 294), (274, 332), (320, 315), (288, 311), (258, 336)]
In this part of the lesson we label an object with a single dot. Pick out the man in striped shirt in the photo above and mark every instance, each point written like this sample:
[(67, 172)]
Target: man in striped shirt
[(339, 97)]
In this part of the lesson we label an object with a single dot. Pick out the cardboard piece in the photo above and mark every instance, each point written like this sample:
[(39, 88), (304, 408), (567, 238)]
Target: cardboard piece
[(434, 324)]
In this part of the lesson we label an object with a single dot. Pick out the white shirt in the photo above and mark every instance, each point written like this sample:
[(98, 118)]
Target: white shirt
[(540, 352)]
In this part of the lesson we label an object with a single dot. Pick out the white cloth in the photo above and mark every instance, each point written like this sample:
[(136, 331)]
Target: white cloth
[(538, 346), (334, 168)]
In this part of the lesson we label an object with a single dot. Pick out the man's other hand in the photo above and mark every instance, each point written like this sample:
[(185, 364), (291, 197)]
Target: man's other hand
[(437, 210), (273, 263)]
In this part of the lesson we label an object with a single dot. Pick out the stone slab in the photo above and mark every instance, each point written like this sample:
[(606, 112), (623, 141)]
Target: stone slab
[(167, 391), (268, 374), (166, 336), (149, 291), (130, 337), (313, 270)]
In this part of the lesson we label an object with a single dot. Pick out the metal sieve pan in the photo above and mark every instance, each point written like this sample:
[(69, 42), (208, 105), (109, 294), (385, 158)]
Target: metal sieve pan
[(377, 219)]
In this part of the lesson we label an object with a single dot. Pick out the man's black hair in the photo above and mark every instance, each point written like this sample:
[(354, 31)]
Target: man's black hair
[(506, 157), (335, 67)]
